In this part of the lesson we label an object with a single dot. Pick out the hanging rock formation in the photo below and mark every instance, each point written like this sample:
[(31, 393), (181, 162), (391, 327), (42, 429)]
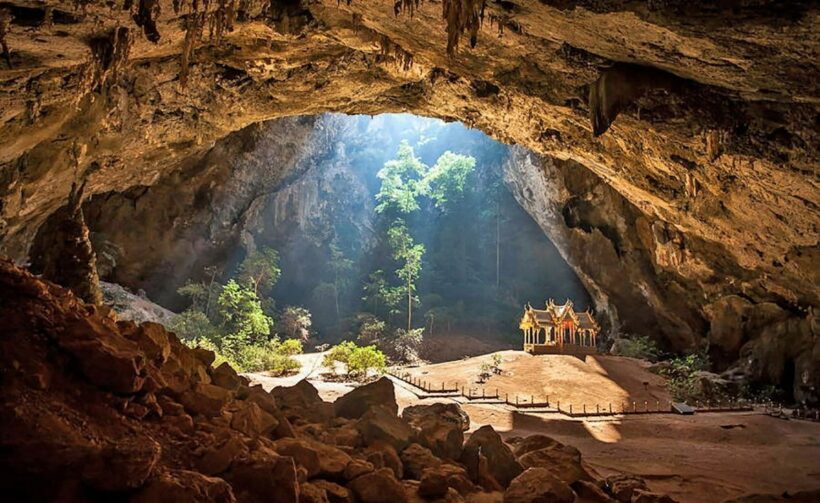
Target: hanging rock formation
[(701, 115)]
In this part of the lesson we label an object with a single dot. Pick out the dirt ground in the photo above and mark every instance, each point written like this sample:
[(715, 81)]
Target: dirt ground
[(708, 457), (597, 380)]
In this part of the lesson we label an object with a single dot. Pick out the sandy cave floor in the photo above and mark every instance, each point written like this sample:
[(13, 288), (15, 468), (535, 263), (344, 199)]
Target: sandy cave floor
[(704, 458)]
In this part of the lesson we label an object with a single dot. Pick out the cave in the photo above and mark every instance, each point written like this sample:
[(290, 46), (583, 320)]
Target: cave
[(193, 194)]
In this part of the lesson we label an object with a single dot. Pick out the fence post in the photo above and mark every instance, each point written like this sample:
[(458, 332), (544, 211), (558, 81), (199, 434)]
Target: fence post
[(516, 400), (570, 409), (506, 398), (646, 406), (610, 408), (634, 407), (658, 405), (597, 409), (532, 400)]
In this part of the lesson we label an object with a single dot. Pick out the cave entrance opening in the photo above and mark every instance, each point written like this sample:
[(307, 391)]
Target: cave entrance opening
[(390, 223)]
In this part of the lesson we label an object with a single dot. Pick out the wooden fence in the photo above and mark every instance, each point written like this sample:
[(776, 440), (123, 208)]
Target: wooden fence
[(529, 402)]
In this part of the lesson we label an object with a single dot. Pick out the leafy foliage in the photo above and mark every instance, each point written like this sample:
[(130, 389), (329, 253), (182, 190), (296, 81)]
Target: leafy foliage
[(638, 346), (260, 270), (241, 312), (357, 360), (296, 322), (406, 344), (445, 181)]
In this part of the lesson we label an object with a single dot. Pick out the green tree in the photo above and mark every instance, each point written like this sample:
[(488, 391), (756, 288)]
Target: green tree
[(409, 253), (242, 316), (193, 325), (296, 322), (260, 270), (445, 180), (402, 182), (341, 266)]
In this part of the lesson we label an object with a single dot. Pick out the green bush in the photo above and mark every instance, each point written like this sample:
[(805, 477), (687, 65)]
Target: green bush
[(290, 347), (271, 356), (364, 359), (339, 353), (637, 346), (681, 375), (358, 360)]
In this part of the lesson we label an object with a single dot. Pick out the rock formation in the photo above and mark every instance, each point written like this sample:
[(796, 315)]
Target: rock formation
[(111, 410), (700, 115)]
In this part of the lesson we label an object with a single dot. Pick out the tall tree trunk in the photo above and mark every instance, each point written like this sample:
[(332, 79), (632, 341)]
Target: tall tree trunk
[(409, 306)]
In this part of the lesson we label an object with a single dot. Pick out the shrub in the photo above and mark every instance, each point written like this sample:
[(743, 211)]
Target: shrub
[(637, 346), (681, 375), (364, 359), (358, 361), (339, 353), (406, 344), (290, 347), (271, 356), (194, 325)]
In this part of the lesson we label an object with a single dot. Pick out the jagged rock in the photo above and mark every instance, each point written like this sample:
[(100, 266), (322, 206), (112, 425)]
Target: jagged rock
[(536, 485), (358, 467), (416, 459), (264, 476), (381, 425), (380, 393), (122, 466), (253, 421), (623, 487), (225, 376), (433, 485), (382, 455), (106, 359), (563, 461), (521, 446), (205, 399), (501, 462), (380, 486), (641, 496), (175, 486), (152, 339), (450, 412), (316, 457), (334, 492), (455, 476), (416, 493), (311, 493), (217, 460), (439, 427), (590, 492), (302, 400)]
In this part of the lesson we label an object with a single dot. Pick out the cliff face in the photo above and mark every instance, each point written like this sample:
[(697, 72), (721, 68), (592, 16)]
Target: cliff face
[(700, 116)]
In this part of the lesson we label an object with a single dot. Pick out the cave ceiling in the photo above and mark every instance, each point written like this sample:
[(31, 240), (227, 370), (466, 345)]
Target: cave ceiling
[(703, 115)]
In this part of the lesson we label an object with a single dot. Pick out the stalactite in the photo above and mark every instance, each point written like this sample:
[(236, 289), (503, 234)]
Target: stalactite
[(409, 6), (403, 58), (146, 18), (193, 33), (109, 56), (462, 16)]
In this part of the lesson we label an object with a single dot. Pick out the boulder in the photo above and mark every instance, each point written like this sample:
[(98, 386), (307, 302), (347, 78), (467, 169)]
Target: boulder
[(216, 460), (500, 460), (439, 427), (416, 459), (563, 461), (622, 487), (152, 339), (538, 485), (264, 476), (380, 486), (357, 468), (317, 458), (450, 412), (262, 398), (302, 401), (108, 360), (415, 493), (383, 455), (521, 446), (381, 425), (590, 492), (433, 485), (175, 486), (252, 420), (334, 492), (122, 465), (205, 399), (311, 493), (225, 376), (376, 394), (455, 476), (641, 496)]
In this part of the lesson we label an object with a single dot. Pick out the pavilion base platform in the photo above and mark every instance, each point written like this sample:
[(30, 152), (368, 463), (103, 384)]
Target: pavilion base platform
[(563, 349)]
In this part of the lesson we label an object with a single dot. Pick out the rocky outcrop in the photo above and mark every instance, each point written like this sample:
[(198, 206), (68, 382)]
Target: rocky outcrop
[(111, 410), (700, 115)]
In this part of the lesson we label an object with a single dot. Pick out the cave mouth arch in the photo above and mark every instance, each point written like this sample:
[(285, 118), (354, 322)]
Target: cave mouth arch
[(301, 184)]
